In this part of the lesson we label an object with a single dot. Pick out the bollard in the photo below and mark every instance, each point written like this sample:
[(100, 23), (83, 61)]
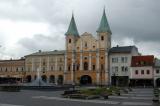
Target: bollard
[(156, 95)]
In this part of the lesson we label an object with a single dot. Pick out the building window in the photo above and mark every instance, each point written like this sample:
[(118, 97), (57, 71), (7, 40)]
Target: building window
[(60, 68), (126, 68), (102, 37), (136, 72), (124, 59), (142, 71), (43, 68), (51, 67), (148, 72), (22, 68), (157, 71), (44, 63), (122, 68), (77, 67), (93, 46), (85, 66), (85, 44), (6, 69), (77, 48), (101, 57), (85, 58), (69, 68), (93, 67), (115, 60), (17, 69), (102, 67), (69, 40), (60, 59)]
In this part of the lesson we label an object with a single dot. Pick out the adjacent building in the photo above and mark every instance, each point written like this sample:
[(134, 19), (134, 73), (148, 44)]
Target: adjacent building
[(12, 71), (120, 64), (142, 70), (157, 73)]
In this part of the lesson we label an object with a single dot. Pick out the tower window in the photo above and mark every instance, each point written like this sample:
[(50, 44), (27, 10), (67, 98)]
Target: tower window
[(69, 40), (85, 44), (69, 68), (102, 37)]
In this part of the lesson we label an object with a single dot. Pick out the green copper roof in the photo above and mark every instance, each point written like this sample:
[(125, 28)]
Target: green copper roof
[(104, 26), (72, 30)]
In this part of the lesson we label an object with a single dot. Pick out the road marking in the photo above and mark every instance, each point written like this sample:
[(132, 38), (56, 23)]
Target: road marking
[(9, 105), (125, 97), (77, 100), (137, 103)]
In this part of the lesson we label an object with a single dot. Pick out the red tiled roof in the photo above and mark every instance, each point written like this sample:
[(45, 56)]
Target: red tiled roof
[(139, 61)]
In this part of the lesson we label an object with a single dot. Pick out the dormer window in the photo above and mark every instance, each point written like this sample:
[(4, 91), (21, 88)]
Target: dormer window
[(102, 37), (69, 40)]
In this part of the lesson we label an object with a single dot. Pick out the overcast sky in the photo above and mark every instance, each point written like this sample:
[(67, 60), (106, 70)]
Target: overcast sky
[(27, 26)]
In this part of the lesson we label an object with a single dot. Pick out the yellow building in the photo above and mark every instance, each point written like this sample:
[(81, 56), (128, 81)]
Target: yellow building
[(12, 71)]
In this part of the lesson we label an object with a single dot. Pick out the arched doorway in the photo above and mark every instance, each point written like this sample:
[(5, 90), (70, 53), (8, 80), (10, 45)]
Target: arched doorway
[(44, 78), (60, 79), (85, 80), (28, 78), (158, 82), (52, 79)]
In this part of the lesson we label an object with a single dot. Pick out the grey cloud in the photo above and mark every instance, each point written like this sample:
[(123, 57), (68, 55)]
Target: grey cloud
[(135, 19)]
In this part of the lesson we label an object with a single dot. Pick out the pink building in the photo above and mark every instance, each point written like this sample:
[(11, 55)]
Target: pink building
[(141, 73)]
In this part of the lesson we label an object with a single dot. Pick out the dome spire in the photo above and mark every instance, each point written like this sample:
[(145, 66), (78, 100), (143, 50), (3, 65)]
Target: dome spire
[(72, 29), (104, 26)]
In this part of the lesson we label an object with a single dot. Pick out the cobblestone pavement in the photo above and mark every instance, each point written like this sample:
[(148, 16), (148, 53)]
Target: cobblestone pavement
[(138, 97)]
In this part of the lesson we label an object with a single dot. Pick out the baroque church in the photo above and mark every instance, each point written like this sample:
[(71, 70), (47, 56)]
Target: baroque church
[(86, 57)]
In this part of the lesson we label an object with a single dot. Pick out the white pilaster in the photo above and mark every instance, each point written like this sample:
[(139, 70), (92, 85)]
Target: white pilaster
[(32, 64), (97, 66), (56, 64), (40, 64), (90, 61), (48, 64), (81, 61), (106, 69), (81, 56), (65, 68), (72, 67)]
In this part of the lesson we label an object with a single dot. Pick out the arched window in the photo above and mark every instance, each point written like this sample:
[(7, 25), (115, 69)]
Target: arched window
[(85, 44), (69, 40), (69, 68), (85, 66), (102, 37)]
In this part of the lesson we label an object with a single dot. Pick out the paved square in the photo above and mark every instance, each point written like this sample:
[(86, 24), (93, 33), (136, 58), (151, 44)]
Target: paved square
[(139, 97)]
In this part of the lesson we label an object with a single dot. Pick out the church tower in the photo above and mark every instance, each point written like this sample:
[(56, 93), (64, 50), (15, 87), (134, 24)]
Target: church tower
[(72, 36), (104, 44), (104, 33)]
